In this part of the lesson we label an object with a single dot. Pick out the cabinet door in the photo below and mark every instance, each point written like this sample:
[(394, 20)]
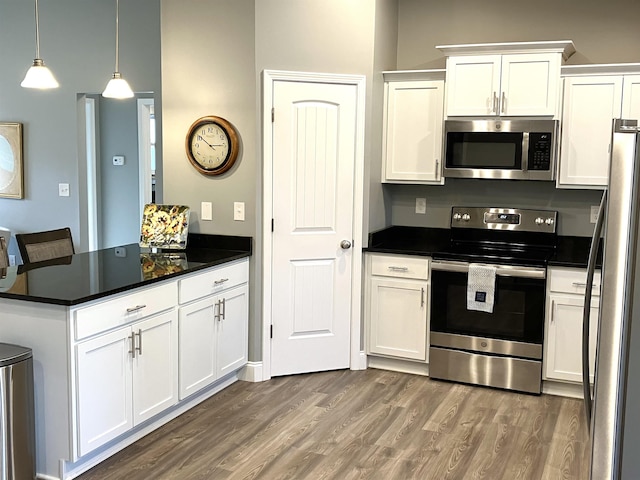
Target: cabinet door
[(530, 84), (232, 330), (473, 85), (197, 346), (398, 318), (104, 398), (563, 357), (413, 131), (631, 97), (590, 104), (155, 366)]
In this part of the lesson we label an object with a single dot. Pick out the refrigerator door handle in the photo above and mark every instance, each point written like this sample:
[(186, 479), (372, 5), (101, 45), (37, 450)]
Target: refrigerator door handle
[(586, 313)]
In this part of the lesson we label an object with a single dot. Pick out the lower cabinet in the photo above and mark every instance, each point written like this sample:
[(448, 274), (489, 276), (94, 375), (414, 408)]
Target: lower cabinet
[(563, 337), (125, 377), (397, 306), (213, 338)]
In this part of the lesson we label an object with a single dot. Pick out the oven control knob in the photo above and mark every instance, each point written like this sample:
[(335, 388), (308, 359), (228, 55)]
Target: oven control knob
[(549, 221), (466, 217), (457, 217), (539, 221)]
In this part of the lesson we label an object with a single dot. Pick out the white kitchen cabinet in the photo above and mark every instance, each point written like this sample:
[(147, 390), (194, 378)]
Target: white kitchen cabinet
[(412, 137), (526, 84), (631, 97), (397, 307), (213, 329), (590, 104), (563, 337), (124, 377)]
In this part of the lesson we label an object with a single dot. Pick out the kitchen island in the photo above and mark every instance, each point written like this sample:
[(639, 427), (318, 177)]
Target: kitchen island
[(124, 340)]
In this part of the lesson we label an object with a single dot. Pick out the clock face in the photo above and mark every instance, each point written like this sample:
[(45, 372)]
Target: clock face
[(212, 145)]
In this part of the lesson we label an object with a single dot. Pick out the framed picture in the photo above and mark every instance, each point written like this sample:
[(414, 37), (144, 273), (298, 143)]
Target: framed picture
[(11, 180)]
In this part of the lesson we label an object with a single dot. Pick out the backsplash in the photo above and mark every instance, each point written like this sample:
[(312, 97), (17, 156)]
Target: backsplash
[(573, 206)]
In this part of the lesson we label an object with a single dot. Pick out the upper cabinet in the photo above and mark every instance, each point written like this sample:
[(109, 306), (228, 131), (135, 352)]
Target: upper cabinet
[(412, 137), (504, 79), (593, 97)]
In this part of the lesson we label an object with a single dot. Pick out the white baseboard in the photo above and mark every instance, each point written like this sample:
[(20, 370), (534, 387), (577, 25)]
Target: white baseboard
[(252, 372), (361, 362), (562, 389), (399, 365)]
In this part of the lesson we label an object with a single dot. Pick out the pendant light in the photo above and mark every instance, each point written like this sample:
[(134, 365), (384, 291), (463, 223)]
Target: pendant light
[(38, 75), (117, 86)]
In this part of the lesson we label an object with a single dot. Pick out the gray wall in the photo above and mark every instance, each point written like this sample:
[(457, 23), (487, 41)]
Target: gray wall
[(78, 44), (603, 31), (118, 207)]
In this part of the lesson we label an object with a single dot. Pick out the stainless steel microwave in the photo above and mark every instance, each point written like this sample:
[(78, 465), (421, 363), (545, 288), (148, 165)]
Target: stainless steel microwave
[(509, 149)]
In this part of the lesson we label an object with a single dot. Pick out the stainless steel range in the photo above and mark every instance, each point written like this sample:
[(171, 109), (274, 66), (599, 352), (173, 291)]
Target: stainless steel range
[(488, 298)]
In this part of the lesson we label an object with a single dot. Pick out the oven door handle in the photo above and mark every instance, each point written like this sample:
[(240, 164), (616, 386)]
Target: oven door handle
[(502, 270)]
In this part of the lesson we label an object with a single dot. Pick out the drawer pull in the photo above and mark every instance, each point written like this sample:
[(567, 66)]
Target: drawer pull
[(398, 269), (221, 281), (584, 285), (136, 308), (224, 309)]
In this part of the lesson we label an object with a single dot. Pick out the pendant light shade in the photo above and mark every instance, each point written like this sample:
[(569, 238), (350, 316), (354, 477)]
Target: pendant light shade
[(117, 86), (38, 75)]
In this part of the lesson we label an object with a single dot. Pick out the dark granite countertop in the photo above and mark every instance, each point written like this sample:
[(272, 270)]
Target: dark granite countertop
[(570, 251), (91, 275)]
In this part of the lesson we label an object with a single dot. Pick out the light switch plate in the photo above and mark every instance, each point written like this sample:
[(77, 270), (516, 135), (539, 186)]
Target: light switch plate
[(238, 211), (63, 189), (206, 212), (421, 205)]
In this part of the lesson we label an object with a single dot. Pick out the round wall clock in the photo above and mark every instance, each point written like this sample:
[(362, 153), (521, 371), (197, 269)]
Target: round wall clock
[(212, 145)]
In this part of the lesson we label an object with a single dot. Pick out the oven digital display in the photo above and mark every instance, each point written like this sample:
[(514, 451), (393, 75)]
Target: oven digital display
[(503, 218)]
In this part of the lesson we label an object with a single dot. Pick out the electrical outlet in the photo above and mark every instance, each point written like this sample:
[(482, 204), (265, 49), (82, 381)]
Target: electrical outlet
[(421, 205), (63, 189), (238, 211), (118, 160), (206, 212), (121, 252), (594, 213)]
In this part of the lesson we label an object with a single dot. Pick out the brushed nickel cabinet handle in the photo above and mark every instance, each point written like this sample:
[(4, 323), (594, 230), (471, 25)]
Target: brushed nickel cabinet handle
[(139, 347), (224, 309), (504, 103), (398, 269), (422, 297), (221, 281), (495, 103), (133, 345), (136, 308)]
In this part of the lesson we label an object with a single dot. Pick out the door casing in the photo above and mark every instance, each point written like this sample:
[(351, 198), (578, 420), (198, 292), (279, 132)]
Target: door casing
[(269, 77)]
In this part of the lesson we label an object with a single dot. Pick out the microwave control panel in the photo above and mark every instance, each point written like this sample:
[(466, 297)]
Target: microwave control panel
[(540, 151)]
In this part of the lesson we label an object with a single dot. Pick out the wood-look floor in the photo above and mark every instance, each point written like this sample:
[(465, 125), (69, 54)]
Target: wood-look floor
[(370, 424)]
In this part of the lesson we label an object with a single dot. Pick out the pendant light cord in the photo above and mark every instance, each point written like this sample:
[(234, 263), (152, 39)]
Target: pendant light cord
[(117, 33), (37, 32)]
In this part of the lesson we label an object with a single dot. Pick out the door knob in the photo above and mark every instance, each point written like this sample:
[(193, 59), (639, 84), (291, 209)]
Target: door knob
[(345, 244)]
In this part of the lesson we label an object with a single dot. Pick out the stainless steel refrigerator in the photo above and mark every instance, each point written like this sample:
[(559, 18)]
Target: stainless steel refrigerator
[(615, 412)]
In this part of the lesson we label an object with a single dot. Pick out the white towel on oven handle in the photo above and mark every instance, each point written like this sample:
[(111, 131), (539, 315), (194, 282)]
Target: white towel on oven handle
[(481, 285)]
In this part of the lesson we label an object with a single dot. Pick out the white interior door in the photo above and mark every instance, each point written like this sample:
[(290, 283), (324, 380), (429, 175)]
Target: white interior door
[(314, 149)]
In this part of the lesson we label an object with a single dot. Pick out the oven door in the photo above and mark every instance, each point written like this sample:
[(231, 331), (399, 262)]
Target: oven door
[(515, 327)]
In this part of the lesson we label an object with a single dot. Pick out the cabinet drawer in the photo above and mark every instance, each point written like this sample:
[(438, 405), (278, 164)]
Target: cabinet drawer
[(124, 309), (213, 281), (572, 280), (401, 266)]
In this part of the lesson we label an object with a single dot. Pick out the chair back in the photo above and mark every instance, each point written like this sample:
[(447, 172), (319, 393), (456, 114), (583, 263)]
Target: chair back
[(40, 246)]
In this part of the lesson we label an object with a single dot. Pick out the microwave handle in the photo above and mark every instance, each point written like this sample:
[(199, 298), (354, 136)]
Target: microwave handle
[(525, 151)]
